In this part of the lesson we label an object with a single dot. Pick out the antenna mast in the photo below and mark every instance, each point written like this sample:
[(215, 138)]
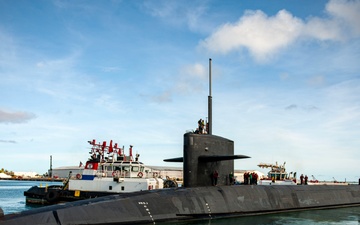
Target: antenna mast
[(210, 101)]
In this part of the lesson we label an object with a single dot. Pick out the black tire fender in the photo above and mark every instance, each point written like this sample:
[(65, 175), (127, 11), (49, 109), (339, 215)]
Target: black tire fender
[(52, 195)]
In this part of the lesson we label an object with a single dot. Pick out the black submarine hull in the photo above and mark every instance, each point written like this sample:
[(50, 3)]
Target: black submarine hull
[(191, 203)]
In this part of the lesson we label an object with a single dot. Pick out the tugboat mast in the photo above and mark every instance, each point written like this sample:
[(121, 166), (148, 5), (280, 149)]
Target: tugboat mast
[(50, 171)]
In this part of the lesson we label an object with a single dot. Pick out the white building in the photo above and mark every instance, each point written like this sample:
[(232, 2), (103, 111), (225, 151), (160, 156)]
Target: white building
[(3, 175), (26, 174), (63, 172)]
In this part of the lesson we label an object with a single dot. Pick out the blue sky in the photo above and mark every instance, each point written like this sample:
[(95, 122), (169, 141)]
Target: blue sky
[(286, 80)]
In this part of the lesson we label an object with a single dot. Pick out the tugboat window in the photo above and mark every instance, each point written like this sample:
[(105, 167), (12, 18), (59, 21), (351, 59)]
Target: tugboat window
[(126, 168)]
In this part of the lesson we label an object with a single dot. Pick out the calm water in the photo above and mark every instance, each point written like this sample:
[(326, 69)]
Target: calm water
[(12, 200), (12, 197)]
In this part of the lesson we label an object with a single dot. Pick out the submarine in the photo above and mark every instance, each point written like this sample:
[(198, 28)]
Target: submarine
[(199, 198)]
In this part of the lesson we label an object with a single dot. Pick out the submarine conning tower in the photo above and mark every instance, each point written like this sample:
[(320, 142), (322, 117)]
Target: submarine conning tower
[(205, 153)]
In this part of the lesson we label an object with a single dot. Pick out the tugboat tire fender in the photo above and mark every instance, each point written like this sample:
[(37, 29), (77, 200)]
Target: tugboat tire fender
[(52, 195)]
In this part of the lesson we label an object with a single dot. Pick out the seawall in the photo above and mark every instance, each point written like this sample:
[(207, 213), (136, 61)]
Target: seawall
[(190, 203)]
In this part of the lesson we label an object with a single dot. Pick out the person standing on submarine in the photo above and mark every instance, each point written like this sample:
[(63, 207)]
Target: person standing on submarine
[(200, 126), (255, 178), (203, 126), (215, 176), (302, 179), (246, 178), (231, 178)]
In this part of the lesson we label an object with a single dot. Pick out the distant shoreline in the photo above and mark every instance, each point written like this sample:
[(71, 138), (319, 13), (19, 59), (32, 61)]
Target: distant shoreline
[(35, 179)]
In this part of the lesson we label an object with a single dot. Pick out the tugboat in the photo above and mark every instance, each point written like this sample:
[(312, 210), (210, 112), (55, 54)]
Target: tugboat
[(277, 175), (116, 173)]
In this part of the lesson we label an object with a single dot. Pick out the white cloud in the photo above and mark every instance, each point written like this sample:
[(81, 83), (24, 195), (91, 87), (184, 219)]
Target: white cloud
[(291, 107), (189, 80), (111, 69), (163, 97), (15, 117), (284, 76), (346, 12), (176, 13), (8, 141), (195, 70), (264, 36), (256, 107), (8, 49), (317, 80), (344, 102), (323, 29), (107, 101)]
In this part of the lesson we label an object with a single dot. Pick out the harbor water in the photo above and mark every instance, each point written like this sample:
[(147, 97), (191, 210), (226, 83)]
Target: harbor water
[(12, 200), (12, 197)]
